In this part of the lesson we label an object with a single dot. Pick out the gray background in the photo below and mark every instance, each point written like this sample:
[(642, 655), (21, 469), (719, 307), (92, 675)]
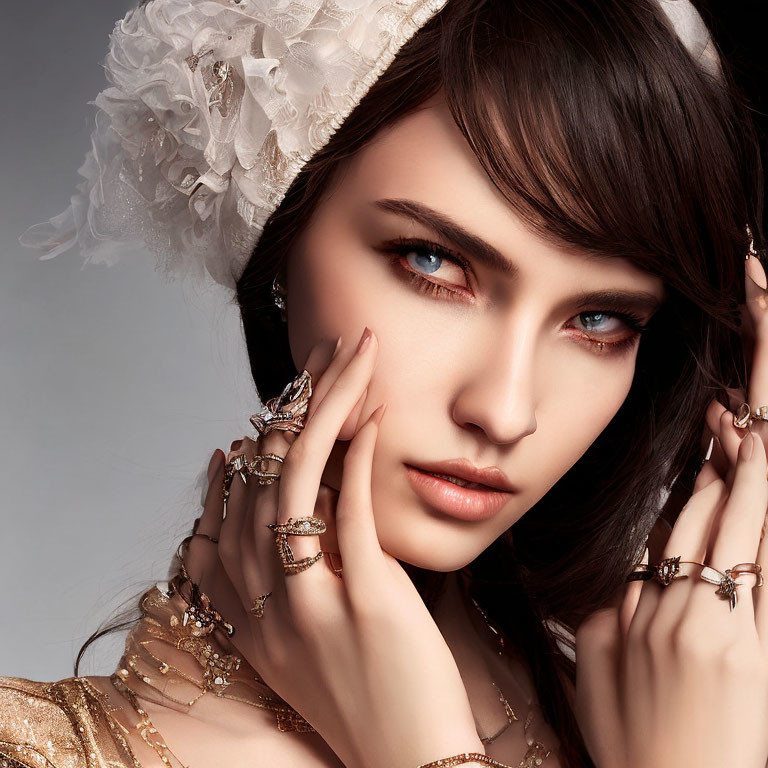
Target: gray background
[(115, 385)]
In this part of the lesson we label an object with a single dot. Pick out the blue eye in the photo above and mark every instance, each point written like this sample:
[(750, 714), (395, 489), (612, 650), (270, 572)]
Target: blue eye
[(601, 316), (430, 261)]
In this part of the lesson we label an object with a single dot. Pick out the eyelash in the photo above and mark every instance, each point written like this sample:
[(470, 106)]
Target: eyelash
[(400, 246)]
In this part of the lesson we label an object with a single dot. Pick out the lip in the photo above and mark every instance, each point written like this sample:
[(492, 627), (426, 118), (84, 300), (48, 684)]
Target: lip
[(466, 470), (463, 503)]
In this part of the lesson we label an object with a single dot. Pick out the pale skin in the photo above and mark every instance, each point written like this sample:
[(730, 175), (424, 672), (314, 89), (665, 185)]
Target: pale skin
[(504, 369)]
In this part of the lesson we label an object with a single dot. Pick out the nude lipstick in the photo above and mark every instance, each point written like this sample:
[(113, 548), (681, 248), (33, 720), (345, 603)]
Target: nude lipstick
[(472, 494)]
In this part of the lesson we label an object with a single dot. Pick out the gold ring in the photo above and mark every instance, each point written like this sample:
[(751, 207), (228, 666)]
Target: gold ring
[(258, 468), (258, 605), (301, 526), (236, 463), (744, 415), (286, 411), (671, 569)]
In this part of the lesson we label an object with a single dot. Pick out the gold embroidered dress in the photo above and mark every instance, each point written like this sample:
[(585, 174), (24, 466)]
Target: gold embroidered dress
[(71, 724), (180, 650), (65, 724)]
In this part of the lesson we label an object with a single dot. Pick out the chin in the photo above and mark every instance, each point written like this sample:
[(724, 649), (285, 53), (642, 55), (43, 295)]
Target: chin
[(430, 550)]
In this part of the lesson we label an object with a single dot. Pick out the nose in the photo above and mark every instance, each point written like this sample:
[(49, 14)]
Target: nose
[(497, 393)]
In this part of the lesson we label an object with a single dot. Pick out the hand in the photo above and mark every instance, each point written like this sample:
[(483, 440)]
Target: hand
[(359, 657), (754, 314), (671, 677)]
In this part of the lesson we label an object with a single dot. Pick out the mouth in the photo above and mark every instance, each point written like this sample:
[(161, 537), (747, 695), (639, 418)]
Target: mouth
[(455, 496)]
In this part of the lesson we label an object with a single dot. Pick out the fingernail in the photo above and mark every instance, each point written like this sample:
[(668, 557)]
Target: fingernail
[(378, 414), (708, 455), (747, 447), (214, 464), (365, 340), (336, 348)]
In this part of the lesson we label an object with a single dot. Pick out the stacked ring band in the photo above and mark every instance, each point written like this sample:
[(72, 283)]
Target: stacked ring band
[(302, 526), (673, 568)]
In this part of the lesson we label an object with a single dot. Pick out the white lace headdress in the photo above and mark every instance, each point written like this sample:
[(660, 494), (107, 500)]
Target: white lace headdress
[(216, 105)]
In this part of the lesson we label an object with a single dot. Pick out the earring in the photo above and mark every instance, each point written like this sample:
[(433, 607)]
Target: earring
[(278, 297)]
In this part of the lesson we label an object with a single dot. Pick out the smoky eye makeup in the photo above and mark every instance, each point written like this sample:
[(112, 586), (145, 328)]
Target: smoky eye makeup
[(419, 263)]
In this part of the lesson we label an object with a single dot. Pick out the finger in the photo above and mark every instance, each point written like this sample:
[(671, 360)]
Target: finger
[(741, 521), (356, 530), (757, 309), (201, 557), (325, 510), (306, 460), (598, 650), (720, 421), (209, 522), (709, 472), (690, 533), (688, 540), (278, 442), (713, 422), (631, 598), (759, 596), (232, 526), (341, 358)]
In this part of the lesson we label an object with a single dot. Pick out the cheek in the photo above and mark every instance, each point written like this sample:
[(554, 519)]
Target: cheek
[(578, 406), (334, 288)]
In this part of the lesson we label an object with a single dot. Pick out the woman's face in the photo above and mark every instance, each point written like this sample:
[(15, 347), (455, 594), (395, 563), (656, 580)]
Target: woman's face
[(488, 345)]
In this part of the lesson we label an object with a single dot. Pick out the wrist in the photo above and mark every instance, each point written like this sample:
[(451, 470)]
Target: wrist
[(464, 752), (478, 759)]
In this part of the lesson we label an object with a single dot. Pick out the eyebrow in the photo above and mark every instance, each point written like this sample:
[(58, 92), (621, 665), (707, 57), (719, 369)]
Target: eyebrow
[(484, 252)]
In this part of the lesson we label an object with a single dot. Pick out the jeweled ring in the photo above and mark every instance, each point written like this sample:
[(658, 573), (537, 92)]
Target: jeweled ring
[(744, 415), (301, 526), (665, 572), (286, 411), (726, 586), (674, 568), (258, 468), (236, 463), (668, 569), (258, 605)]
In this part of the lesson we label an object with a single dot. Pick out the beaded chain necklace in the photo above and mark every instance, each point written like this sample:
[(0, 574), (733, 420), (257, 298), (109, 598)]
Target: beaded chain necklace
[(180, 617)]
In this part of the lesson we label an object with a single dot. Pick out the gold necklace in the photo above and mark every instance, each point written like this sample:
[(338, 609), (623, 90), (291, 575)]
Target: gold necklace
[(188, 624), (536, 752), (144, 725)]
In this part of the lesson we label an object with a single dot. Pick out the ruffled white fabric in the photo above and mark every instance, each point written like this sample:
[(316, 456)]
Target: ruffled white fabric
[(214, 108), (693, 33)]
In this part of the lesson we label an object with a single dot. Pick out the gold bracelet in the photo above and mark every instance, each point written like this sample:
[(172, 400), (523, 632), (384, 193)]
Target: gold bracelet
[(463, 759)]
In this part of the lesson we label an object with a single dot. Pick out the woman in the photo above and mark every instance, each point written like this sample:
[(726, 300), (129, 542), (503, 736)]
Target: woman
[(497, 286)]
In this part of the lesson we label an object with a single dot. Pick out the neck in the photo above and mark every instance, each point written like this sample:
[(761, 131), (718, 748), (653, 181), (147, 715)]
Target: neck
[(179, 657)]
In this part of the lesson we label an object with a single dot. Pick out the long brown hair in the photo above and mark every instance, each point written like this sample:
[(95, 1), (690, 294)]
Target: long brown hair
[(605, 136)]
